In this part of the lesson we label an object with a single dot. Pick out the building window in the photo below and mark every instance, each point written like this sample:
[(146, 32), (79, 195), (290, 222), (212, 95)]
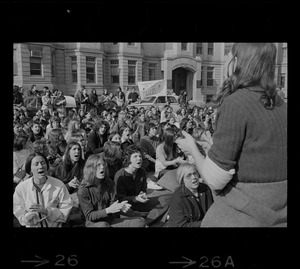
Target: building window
[(90, 69), (15, 62), (284, 54), (74, 69), (143, 71), (282, 80), (209, 97), (115, 43), (114, 71), (210, 48), (130, 44), (210, 76), (131, 72), (201, 81), (53, 64), (183, 46), (198, 48), (35, 63), (152, 68)]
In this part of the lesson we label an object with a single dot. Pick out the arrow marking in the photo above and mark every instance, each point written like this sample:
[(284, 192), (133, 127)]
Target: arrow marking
[(40, 262), (188, 262)]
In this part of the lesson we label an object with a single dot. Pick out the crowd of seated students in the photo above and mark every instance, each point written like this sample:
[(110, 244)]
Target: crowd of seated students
[(76, 140)]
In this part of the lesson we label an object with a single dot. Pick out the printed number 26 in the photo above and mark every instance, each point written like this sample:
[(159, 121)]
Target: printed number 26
[(72, 260)]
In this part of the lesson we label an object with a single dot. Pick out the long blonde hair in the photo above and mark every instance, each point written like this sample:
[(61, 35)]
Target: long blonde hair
[(90, 169), (181, 171)]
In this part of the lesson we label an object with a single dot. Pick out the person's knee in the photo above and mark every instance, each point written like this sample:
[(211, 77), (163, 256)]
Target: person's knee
[(100, 224), (138, 222)]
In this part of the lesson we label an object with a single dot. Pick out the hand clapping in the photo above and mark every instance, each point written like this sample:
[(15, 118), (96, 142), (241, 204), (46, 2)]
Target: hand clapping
[(38, 209), (74, 183), (142, 197), (117, 207)]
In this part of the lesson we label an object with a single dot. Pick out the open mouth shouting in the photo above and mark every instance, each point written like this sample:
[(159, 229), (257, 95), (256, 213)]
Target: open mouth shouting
[(41, 172), (75, 153), (101, 173), (195, 182)]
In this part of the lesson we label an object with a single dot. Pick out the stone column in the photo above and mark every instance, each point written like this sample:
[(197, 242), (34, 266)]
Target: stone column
[(167, 68), (197, 94)]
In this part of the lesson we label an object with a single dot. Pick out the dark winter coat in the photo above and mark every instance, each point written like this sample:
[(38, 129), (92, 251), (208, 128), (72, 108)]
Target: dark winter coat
[(185, 210)]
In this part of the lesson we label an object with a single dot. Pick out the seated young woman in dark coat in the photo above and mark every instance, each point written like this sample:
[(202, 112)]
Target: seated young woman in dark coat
[(191, 199)]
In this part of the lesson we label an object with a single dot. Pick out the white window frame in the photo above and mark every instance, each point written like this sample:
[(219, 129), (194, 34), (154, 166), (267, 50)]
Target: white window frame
[(209, 48), (90, 63), (130, 64), (73, 61), (210, 69), (114, 65), (41, 64)]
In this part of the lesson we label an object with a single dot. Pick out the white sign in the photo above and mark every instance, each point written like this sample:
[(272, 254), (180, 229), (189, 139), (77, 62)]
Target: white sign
[(152, 88)]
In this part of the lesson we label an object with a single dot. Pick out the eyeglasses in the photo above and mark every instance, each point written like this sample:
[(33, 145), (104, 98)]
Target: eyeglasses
[(194, 174)]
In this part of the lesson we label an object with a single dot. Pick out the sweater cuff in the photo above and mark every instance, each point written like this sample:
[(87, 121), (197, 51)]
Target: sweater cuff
[(216, 177)]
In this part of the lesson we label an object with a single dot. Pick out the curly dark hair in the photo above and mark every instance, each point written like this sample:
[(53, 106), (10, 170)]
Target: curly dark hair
[(128, 152)]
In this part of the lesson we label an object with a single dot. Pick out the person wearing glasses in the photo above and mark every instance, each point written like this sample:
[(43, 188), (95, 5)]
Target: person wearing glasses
[(191, 199), (246, 166)]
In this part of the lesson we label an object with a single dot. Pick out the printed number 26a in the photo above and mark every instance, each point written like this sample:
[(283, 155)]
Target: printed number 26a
[(71, 260), (215, 262)]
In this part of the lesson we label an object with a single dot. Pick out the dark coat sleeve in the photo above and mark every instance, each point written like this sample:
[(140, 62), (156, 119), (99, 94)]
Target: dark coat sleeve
[(87, 207), (178, 214)]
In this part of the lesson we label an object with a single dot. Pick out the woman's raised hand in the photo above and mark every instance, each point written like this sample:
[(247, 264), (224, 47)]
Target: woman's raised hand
[(187, 143)]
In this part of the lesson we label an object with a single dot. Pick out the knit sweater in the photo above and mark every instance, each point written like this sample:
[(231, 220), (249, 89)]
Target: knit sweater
[(251, 138), (129, 187)]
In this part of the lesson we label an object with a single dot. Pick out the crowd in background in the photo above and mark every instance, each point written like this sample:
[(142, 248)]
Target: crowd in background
[(106, 164), (101, 125)]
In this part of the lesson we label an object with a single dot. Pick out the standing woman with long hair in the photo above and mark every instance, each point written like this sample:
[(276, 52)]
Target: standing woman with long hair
[(246, 165), (120, 97), (47, 101), (85, 100), (60, 103), (93, 99)]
